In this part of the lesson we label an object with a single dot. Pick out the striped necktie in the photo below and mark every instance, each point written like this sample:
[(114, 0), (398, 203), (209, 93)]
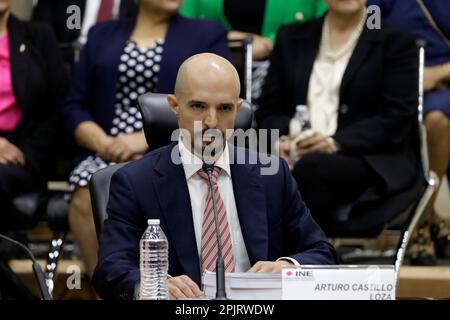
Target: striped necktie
[(209, 247)]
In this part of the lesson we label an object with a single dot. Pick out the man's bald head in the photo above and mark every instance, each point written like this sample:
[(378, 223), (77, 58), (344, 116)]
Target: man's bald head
[(206, 102), (206, 68)]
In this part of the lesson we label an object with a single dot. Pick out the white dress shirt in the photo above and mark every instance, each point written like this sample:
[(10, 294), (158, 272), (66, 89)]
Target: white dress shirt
[(197, 192), (326, 78), (90, 17)]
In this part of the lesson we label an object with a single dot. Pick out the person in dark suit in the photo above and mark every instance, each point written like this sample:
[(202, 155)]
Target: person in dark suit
[(429, 21), (32, 89), (56, 14), (265, 225), (361, 89), (121, 61)]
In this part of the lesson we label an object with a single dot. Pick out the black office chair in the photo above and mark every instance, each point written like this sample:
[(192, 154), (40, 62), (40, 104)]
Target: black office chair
[(99, 190), (49, 207), (404, 220), (159, 123)]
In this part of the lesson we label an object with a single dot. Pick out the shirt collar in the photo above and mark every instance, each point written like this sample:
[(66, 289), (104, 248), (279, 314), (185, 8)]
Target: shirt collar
[(348, 47), (192, 163)]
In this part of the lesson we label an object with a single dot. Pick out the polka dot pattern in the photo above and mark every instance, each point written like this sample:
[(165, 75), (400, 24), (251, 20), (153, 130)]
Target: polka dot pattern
[(138, 74)]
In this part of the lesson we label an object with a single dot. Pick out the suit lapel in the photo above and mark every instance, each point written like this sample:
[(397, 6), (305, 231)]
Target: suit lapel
[(176, 207), (250, 200), (307, 47), (171, 48), (360, 53), (19, 49)]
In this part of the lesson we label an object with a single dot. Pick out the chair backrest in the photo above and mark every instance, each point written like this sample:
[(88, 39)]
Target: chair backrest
[(99, 190), (241, 50), (160, 122)]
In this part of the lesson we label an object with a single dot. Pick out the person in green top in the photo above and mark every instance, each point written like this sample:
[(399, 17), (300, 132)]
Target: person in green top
[(259, 18)]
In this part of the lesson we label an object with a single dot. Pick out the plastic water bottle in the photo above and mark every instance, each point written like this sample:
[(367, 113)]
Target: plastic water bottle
[(153, 263), (299, 128), (300, 122)]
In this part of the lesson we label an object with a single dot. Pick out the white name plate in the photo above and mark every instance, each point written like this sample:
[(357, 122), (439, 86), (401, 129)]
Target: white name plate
[(339, 283)]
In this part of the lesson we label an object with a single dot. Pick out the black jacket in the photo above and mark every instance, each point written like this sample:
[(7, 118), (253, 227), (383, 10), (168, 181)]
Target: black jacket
[(377, 117), (39, 83)]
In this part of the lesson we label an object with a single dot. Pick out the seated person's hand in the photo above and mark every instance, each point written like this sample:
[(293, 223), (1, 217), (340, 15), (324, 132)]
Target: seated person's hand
[(113, 150), (434, 78), (183, 287), (283, 150), (10, 154), (124, 147), (316, 144), (270, 266), (136, 141), (262, 47)]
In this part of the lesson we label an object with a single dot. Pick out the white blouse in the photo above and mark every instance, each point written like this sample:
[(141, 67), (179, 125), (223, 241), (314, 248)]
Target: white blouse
[(326, 78)]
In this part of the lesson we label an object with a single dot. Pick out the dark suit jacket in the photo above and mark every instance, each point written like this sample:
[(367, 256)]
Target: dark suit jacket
[(94, 80), (377, 115), (274, 220), (55, 14), (39, 84)]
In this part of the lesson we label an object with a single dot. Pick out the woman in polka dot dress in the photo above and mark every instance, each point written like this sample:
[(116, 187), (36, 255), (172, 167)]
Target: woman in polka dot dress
[(138, 74), (121, 61)]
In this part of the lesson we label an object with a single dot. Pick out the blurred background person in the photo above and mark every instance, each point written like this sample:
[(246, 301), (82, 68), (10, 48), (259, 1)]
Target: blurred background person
[(259, 19), (32, 89), (429, 20), (121, 61), (360, 87), (56, 14)]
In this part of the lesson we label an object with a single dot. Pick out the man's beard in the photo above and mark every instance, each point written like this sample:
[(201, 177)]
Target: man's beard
[(212, 151)]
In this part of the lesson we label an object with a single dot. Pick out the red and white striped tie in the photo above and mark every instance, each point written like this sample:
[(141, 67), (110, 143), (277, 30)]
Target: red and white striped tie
[(209, 239)]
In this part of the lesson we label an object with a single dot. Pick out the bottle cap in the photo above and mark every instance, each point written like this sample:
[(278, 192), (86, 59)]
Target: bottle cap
[(153, 221), (301, 108)]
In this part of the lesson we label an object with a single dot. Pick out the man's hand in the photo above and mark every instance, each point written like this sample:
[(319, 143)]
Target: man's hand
[(318, 144), (10, 154), (270, 266), (183, 287)]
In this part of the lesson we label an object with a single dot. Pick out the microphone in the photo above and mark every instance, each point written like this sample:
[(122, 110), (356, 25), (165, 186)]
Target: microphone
[(220, 265), (38, 274)]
